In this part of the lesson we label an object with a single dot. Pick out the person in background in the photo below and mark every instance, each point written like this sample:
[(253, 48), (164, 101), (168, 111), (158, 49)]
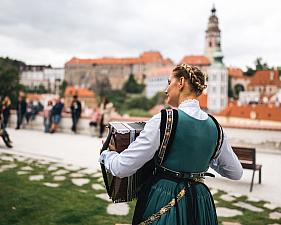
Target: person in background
[(76, 110), (29, 110), (105, 110), (56, 115), (6, 108), (21, 110), (47, 115), (95, 118), (3, 132)]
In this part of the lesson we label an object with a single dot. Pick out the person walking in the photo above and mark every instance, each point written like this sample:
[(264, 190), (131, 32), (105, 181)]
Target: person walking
[(176, 193), (21, 110), (105, 110), (76, 110)]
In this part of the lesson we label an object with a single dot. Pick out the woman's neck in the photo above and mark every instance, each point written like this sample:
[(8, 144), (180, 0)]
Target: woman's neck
[(186, 98)]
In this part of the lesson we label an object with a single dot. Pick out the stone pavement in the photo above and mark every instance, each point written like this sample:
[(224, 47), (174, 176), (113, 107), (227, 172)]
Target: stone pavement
[(83, 151)]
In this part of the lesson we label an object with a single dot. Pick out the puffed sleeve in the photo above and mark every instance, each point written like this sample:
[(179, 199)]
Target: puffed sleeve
[(227, 163), (138, 152)]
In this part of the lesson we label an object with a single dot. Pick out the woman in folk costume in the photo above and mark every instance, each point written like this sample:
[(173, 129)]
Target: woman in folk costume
[(176, 193)]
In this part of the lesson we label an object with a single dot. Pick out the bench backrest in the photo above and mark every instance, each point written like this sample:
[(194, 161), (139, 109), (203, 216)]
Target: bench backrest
[(246, 155)]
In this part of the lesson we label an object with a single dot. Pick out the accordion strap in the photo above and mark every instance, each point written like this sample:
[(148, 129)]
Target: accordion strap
[(104, 147), (169, 120), (220, 138)]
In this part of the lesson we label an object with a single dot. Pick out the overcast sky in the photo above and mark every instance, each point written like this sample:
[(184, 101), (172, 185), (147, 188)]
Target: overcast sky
[(53, 31)]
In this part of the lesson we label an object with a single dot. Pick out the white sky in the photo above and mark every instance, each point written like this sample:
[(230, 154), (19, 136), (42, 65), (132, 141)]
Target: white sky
[(53, 31)]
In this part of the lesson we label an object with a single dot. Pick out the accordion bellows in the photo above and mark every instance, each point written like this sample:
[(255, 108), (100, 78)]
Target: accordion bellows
[(124, 189)]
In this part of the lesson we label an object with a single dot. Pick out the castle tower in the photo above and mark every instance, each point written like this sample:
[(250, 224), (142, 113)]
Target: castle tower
[(217, 84), (213, 39)]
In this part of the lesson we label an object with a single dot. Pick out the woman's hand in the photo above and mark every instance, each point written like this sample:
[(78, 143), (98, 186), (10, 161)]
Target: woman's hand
[(111, 147)]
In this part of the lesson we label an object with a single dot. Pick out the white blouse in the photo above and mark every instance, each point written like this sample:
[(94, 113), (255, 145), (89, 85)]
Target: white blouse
[(147, 143)]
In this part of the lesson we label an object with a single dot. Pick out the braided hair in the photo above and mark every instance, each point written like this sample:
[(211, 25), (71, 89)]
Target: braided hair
[(195, 77)]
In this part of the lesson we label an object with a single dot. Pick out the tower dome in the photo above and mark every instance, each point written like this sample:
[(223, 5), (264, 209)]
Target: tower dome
[(212, 39)]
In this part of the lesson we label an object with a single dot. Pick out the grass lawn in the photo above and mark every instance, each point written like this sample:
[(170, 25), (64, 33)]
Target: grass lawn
[(24, 202)]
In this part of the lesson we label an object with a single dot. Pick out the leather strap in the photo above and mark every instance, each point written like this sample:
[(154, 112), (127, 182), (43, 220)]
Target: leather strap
[(220, 138), (181, 175)]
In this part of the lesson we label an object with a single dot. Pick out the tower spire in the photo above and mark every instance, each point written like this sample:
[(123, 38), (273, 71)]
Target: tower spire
[(213, 10), (212, 40)]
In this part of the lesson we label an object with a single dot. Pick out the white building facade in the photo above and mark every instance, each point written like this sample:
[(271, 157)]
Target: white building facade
[(217, 85), (46, 76), (157, 81)]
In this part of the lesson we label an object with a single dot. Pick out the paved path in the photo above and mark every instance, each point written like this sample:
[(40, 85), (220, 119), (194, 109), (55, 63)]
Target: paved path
[(84, 151)]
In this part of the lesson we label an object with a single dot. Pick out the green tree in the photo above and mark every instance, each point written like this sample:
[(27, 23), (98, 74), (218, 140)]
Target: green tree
[(250, 71), (131, 85), (260, 65), (63, 87), (138, 102), (230, 91), (117, 97), (9, 78)]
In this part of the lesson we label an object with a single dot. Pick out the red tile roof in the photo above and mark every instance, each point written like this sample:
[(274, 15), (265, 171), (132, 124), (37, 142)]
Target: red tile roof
[(235, 72), (265, 77), (168, 62), (146, 57), (196, 60), (160, 71), (81, 92), (259, 111)]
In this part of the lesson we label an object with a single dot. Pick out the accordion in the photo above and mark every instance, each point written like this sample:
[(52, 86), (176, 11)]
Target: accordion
[(125, 189)]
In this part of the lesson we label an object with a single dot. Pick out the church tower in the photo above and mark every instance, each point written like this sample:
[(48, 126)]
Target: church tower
[(217, 72), (213, 39)]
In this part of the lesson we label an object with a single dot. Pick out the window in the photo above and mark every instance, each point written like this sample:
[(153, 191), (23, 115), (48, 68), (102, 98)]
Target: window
[(222, 101), (222, 77)]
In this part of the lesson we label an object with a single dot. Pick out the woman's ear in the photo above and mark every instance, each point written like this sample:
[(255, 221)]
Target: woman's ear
[(181, 83)]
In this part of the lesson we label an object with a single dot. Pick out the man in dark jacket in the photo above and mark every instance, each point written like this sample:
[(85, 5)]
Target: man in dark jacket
[(75, 112), (21, 111)]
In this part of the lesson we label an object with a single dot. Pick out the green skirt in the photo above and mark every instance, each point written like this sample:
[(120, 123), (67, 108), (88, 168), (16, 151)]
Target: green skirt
[(196, 207)]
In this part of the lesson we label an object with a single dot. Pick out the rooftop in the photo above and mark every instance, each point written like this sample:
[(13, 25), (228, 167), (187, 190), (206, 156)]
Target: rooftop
[(144, 58), (196, 60)]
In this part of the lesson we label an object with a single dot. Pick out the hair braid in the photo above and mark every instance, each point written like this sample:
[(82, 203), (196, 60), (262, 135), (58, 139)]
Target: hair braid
[(195, 77)]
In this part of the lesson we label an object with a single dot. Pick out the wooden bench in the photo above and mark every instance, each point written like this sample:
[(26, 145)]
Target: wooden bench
[(247, 157)]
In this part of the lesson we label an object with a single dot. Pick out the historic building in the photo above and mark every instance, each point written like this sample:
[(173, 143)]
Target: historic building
[(111, 73), (211, 63), (36, 76), (157, 80)]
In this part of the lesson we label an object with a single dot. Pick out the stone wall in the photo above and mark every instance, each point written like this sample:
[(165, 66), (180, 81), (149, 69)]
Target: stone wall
[(264, 135)]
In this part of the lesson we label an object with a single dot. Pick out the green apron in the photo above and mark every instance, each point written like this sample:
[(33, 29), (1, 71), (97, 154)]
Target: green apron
[(191, 150)]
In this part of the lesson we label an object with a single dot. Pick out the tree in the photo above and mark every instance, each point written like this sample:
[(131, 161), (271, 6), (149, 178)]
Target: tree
[(9, 77), (102, 86), (63, 87), (261, 65), (250, 71), (131, 86), (230, 91)]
